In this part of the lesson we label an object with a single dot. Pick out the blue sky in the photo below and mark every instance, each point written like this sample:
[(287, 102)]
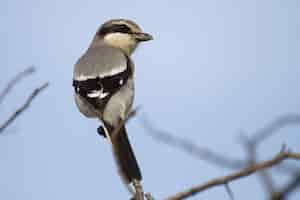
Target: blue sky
[(215, 69)]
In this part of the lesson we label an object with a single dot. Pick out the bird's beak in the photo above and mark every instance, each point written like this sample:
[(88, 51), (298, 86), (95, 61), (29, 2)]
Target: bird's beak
[(143, 37)]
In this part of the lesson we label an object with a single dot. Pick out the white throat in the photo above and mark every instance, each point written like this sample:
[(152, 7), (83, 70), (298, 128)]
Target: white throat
[(121, 40)]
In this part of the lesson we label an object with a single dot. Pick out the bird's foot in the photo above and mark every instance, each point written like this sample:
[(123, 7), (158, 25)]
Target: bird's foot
[(101, 131)]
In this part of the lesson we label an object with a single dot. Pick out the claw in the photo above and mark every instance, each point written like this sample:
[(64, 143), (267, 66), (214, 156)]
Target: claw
[(100, 131)]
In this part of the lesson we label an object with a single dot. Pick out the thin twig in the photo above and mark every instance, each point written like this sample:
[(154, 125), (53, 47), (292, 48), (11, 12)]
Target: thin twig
[(190, 147), (237, 175), (19, 111), (264, 176), (199, 152), (273, 127), (229, 191), (289, 188), (149, 196), (14, 81)]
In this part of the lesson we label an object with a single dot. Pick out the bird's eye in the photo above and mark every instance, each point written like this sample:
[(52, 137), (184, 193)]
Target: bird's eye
[(116, 28)]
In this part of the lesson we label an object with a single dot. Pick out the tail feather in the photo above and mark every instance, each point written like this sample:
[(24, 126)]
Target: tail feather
[(127, 163)]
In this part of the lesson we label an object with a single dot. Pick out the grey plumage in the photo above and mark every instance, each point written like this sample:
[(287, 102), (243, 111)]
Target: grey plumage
[(101, 60), (104, 86)]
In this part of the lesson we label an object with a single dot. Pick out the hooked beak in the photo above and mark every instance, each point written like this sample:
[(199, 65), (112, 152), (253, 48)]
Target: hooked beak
[(143, 37)]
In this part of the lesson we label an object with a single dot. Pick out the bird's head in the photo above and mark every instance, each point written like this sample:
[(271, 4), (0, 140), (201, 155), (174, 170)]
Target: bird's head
[(122, 33)]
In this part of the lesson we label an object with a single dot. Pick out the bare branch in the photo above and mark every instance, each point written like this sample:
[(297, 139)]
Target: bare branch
[(219, 160), (15, 80), (19, 111), (237, 175), (190, 147), (264, 176), (202, 153)]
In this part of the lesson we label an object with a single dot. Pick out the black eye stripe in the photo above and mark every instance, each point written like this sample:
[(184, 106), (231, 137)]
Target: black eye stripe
[(123, 29), (115, 28)]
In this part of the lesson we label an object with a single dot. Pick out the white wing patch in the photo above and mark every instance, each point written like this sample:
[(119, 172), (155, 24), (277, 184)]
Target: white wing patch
[(94, 94), (97, 94), (103, 95)]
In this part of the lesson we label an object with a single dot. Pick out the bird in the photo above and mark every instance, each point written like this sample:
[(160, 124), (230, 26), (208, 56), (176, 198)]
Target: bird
[(103, 81)]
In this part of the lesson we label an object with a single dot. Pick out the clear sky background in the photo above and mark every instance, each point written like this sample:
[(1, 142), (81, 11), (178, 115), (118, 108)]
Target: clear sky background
[(215, 68)]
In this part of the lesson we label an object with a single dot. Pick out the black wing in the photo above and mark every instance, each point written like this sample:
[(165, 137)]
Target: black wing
[(101, 88)]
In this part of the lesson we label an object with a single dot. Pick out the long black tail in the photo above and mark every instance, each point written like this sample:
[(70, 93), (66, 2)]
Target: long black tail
[(127, 163)]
